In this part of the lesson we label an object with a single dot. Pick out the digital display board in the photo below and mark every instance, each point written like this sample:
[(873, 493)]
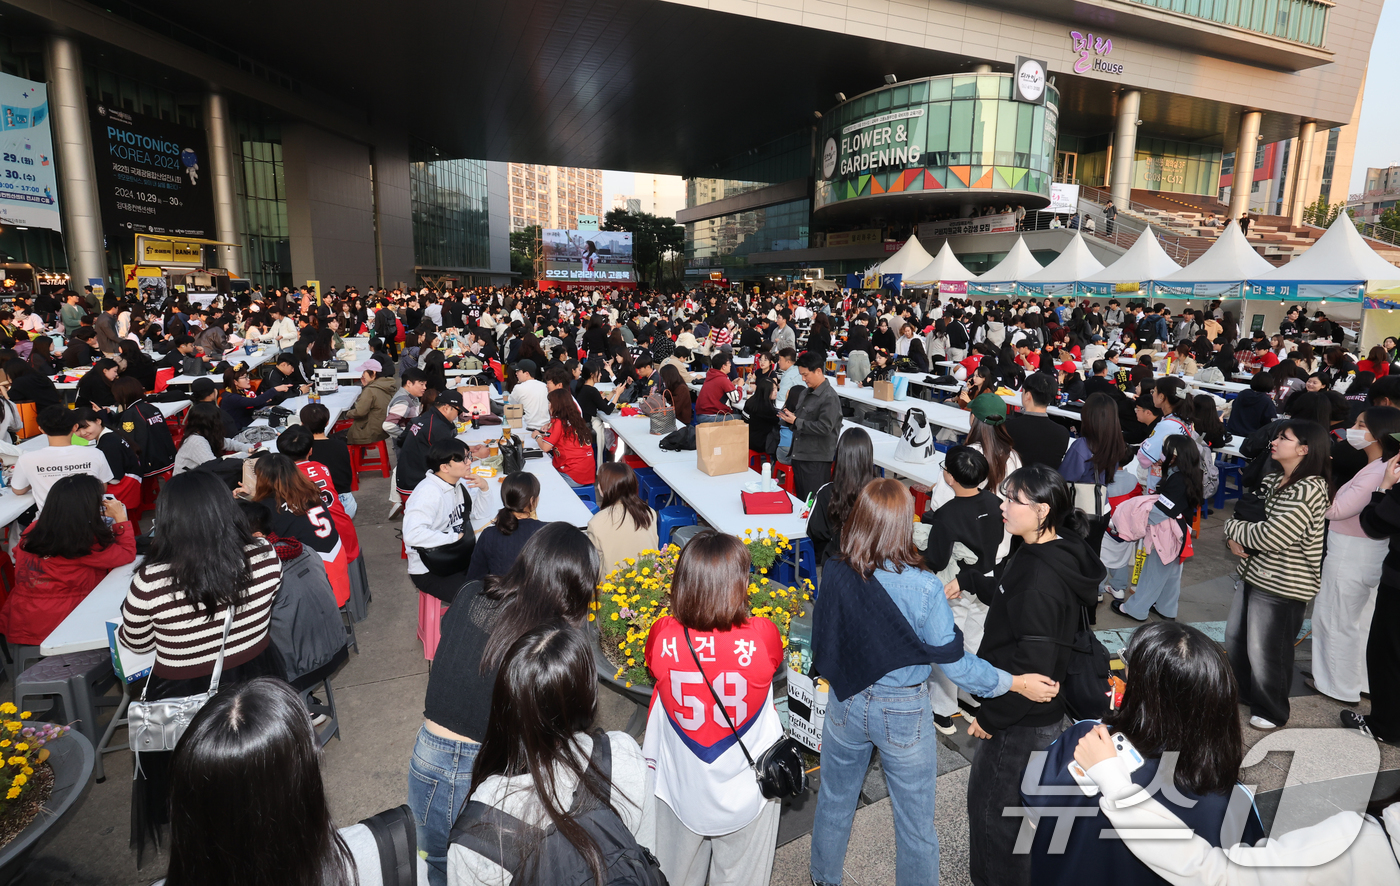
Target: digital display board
[(588, 256), (28, 177), (152, 175)]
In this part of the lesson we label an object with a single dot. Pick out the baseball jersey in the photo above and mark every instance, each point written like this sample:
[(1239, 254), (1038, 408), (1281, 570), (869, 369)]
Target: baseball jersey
[(701, 773)]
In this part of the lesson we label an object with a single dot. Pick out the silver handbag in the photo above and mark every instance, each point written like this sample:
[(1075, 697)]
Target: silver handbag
[(158, 725)]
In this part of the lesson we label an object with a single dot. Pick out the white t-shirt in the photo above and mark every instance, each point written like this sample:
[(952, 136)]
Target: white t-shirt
[(40, 469), (533, 395)]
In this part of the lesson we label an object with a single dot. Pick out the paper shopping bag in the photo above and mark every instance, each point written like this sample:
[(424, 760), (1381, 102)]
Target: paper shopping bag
[(514, 415), (884, 390), (722, 447)]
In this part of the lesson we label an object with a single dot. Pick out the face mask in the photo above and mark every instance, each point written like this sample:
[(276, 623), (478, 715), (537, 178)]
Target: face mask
[(1358, 438)]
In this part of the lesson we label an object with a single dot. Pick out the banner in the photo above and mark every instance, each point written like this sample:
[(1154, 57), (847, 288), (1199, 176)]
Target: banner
[(1063, 198), (588, 256), (853, 238), (982, 224), (28, 177), (152, 175), (952, 288)]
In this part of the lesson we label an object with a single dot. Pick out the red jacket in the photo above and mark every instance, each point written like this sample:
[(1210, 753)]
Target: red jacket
[(47, 589), (571, 456), (711, 400)]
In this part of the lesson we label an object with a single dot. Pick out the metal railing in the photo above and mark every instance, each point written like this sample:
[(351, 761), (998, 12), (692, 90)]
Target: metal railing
[(1376, 232)]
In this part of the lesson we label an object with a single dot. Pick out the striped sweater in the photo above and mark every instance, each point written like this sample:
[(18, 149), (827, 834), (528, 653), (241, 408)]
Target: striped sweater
[(157, 615), (1287, 558)]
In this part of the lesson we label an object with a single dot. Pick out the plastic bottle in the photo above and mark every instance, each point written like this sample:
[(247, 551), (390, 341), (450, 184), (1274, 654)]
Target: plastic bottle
[(767, 477)]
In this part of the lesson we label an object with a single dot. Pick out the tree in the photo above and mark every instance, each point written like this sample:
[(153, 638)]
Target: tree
[(655, 239), (1320, 213), (1390, 218), (524, 250)]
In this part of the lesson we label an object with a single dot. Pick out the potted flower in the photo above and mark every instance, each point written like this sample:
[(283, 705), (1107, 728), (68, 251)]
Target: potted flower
[(637, 593), (45, 769)]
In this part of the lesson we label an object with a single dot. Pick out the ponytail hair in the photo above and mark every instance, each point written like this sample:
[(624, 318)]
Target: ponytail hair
[(519, 492)]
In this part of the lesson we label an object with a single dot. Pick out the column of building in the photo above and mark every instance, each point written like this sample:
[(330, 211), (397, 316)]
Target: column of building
[(78, 200)]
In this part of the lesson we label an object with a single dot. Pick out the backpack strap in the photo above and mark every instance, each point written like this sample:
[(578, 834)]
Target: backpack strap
[(397, 841), (600, 762), (493, 834)]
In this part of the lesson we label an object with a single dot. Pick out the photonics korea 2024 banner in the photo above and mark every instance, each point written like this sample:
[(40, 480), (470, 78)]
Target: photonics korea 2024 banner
[(28, 179), (152, 175)]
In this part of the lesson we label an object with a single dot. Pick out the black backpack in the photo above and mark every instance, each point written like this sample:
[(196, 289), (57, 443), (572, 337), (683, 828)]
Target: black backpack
[(499, 836)]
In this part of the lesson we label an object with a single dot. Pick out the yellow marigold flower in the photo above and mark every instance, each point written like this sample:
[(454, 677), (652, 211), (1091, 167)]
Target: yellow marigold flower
[(631, 561), (25, 716), (12, 726), (748, 532), (614, 616), (8, 708), (767, 543), (631, 661), (590, 616), (11, 793), (28, 771), (5, 743), (20, 780)]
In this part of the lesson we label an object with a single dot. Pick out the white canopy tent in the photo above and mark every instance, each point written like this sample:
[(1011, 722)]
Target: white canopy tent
[(908, 261), (1144, 260), (1017, 266), (1072, 265), (1227, 263), (1338, 255), (944, 266)]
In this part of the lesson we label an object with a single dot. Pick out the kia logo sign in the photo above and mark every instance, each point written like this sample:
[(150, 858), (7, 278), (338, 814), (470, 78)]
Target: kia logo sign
[(829, 155), (1031, 80)]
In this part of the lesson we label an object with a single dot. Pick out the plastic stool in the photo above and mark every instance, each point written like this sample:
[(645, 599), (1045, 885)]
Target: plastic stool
[(586, 494), (785, 476), (652, 488), (361, 465), (74, 679), (321, 679), (633, 462), (22, 657), (671, 518), (682, 535), (1229, 470), (756, 459), (807, 557)]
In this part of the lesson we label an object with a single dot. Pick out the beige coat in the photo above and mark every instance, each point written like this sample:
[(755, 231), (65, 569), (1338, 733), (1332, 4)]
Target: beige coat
[(617, 537)]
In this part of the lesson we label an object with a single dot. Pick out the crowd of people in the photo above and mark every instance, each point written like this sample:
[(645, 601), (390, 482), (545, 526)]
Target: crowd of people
[(970, 611)]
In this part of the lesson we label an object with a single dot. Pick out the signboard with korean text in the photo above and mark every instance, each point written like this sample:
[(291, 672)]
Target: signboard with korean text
[(588, 256), (982, 224), (152, 175), (28, 177)]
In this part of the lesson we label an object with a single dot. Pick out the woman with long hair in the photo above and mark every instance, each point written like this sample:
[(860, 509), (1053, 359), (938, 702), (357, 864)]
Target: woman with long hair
[(624, 525), (252, 748), (63, 555), (590, 401), (854, 468), (499, 544), (553, 578), (1280, 570), (135, 364), (146, 426), (675, 385), (203, 563), (987, 434), (299, 512), (711, 818), (1178, 497), (41, 355), (761, 413), (1096, 455), (1352, 567), (539, 762), (95, 388), (880, 587), (1181, 703), (203, 438), (238, 402), (1174, 402), (1046, 587), (568, 440)]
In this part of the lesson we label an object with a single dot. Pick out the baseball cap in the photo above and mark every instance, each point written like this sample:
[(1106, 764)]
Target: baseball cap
[(527, 365), (989, 408), (1067, 366), (372, 366), (450, 398), (202, 387)]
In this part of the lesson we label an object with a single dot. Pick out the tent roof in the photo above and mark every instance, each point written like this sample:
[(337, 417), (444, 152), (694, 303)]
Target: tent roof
[(945, 266), (1144, 260), (1230, 258), (1339, 254), (910, 259), (1017, 266), (1071, 266)]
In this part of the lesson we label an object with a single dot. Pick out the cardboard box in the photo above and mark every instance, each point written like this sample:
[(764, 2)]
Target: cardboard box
[(722, 447), (514, 415), (884, 390)]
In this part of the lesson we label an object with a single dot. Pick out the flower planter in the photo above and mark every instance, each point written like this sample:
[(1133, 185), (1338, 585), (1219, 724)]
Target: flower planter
[(72, 760)]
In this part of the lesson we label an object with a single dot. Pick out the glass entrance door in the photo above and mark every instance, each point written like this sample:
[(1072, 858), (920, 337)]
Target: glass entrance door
[(1067, 167)]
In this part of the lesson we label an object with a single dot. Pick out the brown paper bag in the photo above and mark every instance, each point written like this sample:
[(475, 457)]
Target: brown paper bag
[(884, 390), (514, 415), (722, 447)]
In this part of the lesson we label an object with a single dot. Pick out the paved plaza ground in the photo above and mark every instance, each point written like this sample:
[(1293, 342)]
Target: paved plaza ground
[(380, 698)]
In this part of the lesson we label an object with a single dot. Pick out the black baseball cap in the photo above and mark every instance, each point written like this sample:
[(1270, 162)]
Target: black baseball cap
[(527, 365), (203, 387), (450, 398)]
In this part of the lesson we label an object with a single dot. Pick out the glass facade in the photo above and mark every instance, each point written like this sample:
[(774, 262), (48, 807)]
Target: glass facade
[(726, 242), (1164, 165), (1302, 21), (262, 194), (778, 161), (451, 225), (952, 133)]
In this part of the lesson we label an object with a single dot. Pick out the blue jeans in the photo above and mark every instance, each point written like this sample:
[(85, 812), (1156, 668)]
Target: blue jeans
[(700, 419), (439, 778), (899, 721)]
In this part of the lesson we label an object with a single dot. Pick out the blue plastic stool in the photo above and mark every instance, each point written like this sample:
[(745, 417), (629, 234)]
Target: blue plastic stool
[(670, 518), (1229, 470), (653, 489), (586, 494), (807, 555)]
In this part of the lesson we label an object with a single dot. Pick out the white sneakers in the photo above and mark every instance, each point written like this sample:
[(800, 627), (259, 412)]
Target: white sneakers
[(1260, 723)]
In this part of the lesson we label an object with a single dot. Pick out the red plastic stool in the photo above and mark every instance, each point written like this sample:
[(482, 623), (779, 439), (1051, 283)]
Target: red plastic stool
[(361, 465), (786, 477), (634, 462), (756, 459), (403, 551), (921, 494)]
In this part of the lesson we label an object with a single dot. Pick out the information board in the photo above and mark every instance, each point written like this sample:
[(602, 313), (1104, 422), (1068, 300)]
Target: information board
[(28, 177), (152, 175)]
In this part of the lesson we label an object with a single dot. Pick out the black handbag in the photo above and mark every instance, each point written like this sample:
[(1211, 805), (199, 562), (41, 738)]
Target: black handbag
[(680, 440), (1085, 688), (454, 557), (512, 456), (779, 769)]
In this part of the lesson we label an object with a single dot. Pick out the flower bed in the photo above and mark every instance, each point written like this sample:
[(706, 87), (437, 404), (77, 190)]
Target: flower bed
[(25, 775), (637, 593)]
